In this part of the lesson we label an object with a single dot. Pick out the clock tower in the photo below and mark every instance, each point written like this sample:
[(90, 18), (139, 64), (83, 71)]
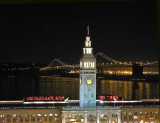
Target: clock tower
[(87, 87)]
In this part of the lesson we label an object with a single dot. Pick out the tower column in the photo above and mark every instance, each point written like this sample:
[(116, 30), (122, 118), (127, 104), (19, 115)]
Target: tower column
[(119, 117), (85, 118), (87, 86), (63, 118), (98, 117), (109, 118)]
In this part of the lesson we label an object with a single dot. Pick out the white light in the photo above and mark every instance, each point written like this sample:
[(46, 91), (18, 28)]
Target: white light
[(101, 101)]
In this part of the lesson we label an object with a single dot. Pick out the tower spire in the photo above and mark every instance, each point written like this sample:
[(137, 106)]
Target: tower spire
[(88, 29)]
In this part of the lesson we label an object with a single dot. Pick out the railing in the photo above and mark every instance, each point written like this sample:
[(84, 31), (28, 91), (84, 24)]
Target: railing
[(78, 108)]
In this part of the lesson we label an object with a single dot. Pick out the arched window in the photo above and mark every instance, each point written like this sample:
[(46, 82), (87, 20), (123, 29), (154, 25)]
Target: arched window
[(56, 117), (125, 115), (91, 118), (104, 118), (8, 118), (50, 117), (26, 117), (14, 117), (157, 115), (130, 115), (2, 118), (146, 115), (33, 118), (141, 114), (151, 114), (39, 118), (45, 117), (79, 118), (135, 115), (20, 118)]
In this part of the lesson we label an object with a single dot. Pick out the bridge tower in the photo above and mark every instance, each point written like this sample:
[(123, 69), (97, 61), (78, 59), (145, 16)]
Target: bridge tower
[(87, 77), (137, 71)]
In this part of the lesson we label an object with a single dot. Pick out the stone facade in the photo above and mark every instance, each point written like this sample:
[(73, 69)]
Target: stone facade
[(82, 115)]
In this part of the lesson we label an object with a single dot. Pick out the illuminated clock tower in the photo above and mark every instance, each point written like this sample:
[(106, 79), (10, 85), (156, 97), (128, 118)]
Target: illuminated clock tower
[(87, 88)]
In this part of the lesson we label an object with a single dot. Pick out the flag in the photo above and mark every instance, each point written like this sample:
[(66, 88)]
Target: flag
[(66, 100), (115, 99), (88, 30)]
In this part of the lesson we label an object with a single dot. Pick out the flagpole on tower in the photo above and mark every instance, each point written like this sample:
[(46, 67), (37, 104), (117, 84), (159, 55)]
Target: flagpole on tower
[(88, 29), (53, 102)]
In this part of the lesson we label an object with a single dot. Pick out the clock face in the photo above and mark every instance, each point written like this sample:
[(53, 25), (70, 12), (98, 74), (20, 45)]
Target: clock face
[(89, 81)]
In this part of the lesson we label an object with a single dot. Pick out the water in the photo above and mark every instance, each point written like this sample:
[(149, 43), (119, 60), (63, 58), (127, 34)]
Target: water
[(14, 88)]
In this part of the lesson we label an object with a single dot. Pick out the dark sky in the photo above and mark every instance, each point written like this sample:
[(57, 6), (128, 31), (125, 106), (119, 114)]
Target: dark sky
[(124, 31)]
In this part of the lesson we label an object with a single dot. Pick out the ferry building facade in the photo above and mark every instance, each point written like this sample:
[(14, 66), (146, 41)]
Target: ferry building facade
[(87, 111)]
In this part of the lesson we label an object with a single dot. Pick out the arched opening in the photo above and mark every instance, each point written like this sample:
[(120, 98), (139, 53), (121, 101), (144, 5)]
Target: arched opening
[(33, 118), (50, 117), (146, 115), (20, 118), (130, 116), (91, 118), (39, 118), (141, 114), (136, 115), (157, 115), (2, 118), (74, 118), (56, 118), (151, 114), (124, 115), (45, 117), (103, 118), (26, 117), (14, 117), (8, 118)]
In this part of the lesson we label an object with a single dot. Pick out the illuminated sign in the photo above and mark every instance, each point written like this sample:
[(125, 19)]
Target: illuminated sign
[(45, 98), (109, 97)]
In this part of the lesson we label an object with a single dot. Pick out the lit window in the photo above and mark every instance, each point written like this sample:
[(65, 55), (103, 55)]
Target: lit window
[(38, 114), (50, 114), (135, 117), (32, 115), (2, 115), (14, 115)]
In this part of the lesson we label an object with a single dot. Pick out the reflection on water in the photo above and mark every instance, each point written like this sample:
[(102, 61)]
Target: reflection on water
[(20, 87)]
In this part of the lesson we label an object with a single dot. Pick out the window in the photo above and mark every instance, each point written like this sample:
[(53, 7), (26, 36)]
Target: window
[(33, 118), (27, 118), (135, 115), (151, 115), (56, 115), (141, 114), (157, 115)]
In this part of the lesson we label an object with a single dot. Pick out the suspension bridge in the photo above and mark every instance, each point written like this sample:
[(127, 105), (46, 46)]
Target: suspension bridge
[(103, 62)]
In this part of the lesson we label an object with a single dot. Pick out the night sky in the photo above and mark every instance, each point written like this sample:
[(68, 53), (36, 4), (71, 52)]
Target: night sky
[(124, 31)]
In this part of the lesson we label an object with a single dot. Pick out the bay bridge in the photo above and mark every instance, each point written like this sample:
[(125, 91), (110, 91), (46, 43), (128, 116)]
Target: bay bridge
[(105, 65)]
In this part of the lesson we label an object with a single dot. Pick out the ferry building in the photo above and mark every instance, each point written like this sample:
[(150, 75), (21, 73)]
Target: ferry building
[(85, 110)]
